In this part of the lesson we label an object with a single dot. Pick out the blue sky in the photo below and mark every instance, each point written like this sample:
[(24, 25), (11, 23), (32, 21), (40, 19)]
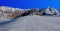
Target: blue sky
[(31, 3)]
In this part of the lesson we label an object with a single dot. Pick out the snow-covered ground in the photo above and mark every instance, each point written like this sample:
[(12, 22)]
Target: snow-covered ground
[(33, 23)]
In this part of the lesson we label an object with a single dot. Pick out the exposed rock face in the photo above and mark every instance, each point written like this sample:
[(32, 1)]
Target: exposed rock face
[(32, 12), (37, 11)]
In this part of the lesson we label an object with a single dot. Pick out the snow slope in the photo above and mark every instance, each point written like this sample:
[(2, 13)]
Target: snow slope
[(33, 23)]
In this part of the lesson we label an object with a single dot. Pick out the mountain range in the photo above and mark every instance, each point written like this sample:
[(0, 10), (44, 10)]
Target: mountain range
[(10, 13)]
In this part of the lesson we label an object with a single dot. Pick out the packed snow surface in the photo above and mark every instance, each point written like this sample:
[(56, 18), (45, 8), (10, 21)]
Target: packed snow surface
[(33, 23)]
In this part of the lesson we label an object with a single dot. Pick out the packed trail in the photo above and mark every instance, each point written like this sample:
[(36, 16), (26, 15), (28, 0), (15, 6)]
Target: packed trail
[(33, 23)]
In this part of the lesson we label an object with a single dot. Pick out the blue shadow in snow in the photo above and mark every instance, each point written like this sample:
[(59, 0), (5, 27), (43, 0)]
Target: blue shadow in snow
[(7, 22)]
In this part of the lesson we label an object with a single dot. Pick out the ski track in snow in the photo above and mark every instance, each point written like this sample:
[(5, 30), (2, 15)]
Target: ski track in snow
[(33, 23)]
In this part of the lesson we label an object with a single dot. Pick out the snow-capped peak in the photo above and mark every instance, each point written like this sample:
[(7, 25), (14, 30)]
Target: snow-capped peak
[(52, 11), (48, 10)]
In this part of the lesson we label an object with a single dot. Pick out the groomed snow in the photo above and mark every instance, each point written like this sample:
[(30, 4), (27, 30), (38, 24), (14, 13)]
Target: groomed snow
[(33, 23)]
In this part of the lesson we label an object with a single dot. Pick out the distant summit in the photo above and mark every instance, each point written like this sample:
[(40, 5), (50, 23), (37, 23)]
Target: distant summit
[(52, 11)]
